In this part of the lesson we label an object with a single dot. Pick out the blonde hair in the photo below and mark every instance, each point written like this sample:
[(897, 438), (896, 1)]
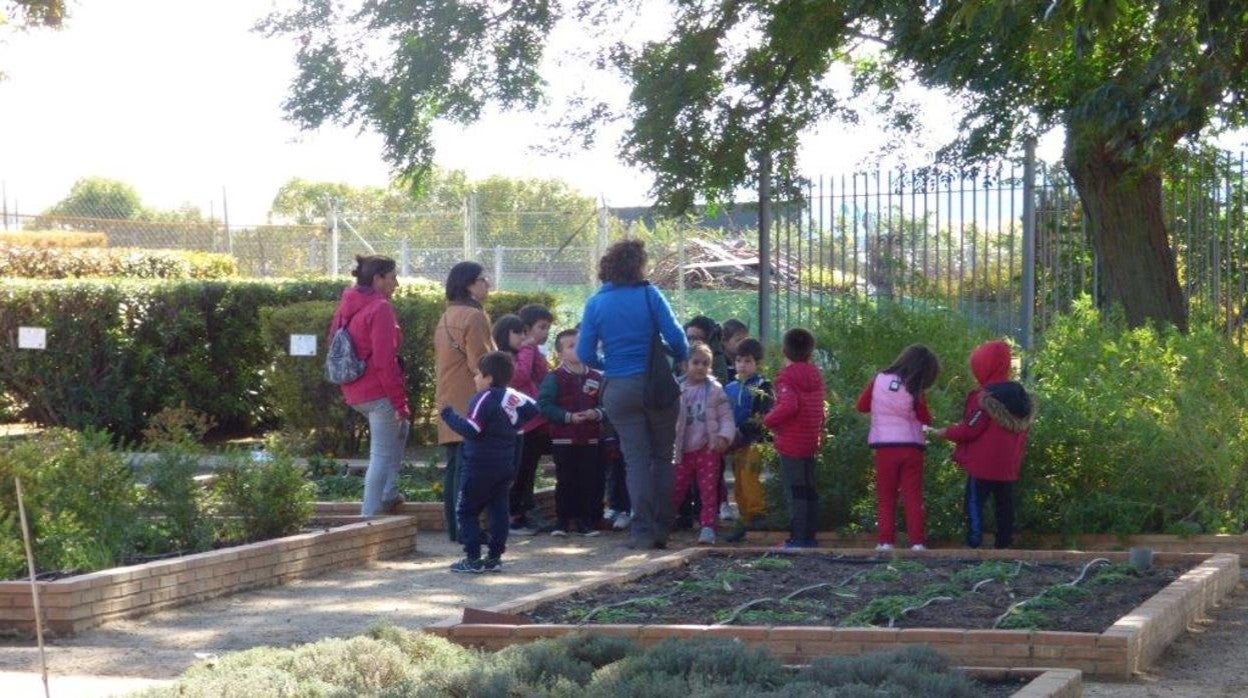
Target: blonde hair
[(701, 348)]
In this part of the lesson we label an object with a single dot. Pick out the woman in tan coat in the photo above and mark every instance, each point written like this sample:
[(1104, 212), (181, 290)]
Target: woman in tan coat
[(461, 338)]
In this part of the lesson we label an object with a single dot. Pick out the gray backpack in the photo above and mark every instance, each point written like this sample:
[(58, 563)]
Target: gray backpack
[(342, 366)]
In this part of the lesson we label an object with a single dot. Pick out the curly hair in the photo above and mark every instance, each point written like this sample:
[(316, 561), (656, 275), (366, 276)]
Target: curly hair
[(623, 263)]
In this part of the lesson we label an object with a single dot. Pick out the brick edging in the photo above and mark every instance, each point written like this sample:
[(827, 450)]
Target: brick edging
[(1126, 647), (1044, 683), (428, 514), (76, 603)]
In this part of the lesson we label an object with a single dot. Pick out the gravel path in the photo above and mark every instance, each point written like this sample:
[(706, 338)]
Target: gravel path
[(1212, 660)]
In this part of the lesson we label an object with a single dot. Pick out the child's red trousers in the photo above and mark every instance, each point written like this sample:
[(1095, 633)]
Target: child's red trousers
[(899, 467)]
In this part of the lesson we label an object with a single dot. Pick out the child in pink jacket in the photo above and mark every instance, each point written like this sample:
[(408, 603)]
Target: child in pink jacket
[(704, 430)]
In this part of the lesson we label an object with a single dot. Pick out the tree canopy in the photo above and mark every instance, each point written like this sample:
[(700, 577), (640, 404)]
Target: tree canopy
[(732, 80)]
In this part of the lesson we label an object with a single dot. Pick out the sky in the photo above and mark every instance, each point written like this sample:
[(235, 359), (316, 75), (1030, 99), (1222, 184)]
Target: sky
[(181, 100)]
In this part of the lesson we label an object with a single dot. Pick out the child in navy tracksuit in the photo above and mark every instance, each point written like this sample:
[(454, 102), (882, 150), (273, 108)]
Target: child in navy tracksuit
[(568, 398), (491, 432)]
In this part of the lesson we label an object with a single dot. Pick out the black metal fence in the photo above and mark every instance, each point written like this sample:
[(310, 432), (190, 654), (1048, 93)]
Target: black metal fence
[(961, 241)]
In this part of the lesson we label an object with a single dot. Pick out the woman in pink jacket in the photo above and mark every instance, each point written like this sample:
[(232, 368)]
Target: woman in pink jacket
[(380, 394)]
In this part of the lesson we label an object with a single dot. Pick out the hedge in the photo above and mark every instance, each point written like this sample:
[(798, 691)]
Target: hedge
[(1137, 430), (121, 351), (306, 403), (54, 263), (52, 238)]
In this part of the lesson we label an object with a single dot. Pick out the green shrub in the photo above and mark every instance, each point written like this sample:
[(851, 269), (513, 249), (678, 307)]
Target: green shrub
[(1124, 410), (860, 339), (542, 663), (62, 239), (121, 351), (718, 661), (79, 497), (361, 665), (61, 263), (306, 402), (173, 505), (262, 498)]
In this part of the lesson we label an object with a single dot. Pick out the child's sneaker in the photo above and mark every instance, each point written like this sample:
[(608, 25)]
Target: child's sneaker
[(587, 530), (737, 534), (492, 564), (726, 513), (707, 536), (792, 544), (559, 533), (622, 520), (609, 515), (918, 547), (468, 566), (524, 528), (883, 547)]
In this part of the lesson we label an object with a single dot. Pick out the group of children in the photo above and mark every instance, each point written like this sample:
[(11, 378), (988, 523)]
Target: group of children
[(727, 409)]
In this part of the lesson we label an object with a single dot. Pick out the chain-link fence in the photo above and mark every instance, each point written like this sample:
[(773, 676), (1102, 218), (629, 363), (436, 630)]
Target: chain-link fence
[(940, 239)]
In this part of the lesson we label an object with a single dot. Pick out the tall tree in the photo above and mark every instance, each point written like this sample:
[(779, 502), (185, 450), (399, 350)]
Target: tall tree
[(397, 66), (1129, 80), (736, 82), (27, 14)]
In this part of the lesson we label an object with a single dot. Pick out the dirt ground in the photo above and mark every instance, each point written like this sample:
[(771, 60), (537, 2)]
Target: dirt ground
[(1212, 660), (712, 587)]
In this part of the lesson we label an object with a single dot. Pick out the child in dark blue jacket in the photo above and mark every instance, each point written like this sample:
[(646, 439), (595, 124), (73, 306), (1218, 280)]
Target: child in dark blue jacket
[(491, 432)]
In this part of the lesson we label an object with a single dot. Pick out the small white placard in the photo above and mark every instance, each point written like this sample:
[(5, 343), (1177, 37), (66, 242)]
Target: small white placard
[(303, 345), (32, 338)]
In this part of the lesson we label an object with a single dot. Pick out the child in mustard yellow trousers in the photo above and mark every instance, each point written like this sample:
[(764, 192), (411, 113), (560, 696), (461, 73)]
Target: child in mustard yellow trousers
[(751, 397)]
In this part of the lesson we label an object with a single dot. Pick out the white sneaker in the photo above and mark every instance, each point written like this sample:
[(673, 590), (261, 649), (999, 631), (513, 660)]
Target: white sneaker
[(726, 513), (610, 514), (622, 520), (707, 536), (918, 546), (883, 547)]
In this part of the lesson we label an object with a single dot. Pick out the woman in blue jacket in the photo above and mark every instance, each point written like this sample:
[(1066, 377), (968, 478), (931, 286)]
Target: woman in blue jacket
[(620, 319)]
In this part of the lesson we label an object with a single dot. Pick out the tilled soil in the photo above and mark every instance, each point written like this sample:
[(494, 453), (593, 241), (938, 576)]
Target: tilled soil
[(858, 591)]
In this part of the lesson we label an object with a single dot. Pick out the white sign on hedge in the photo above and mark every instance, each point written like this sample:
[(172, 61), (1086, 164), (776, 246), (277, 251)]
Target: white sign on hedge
[(303, 345), (32, 338)]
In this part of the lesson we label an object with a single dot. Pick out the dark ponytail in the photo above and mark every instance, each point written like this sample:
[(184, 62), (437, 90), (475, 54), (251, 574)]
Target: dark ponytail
[(369, 267)]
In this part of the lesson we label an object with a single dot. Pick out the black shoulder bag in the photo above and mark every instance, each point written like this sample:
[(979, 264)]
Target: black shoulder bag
[(660, 390)]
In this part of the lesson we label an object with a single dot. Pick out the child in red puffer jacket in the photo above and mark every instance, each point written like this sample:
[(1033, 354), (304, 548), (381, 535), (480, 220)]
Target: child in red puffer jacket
[(990, 440), (796, 424)]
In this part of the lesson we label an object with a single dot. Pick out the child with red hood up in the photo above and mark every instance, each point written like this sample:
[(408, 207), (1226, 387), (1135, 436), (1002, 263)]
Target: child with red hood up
[(990, 440)]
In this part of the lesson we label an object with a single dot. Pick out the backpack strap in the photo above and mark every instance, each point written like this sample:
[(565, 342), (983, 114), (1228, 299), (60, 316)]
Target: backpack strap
[(451, 338)]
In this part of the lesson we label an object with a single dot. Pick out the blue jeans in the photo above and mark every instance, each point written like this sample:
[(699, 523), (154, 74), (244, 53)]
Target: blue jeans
[(387, 438)]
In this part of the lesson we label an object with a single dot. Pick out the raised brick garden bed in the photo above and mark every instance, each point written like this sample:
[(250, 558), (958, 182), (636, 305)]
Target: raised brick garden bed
[(428, 514), (1235, 544), (1133, 642), (1041, 683), (76, 603)]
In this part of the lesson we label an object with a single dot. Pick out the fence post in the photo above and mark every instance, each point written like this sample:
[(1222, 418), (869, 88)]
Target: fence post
[(225, 214), (1027, 316), (405, 258), (600, 244), (498, 266), (331, 265), (764, 245), (470, 226)]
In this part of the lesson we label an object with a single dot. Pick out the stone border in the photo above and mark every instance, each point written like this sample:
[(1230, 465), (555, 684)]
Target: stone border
[(77, 603), (1044, 683), (1126, 647), (428, 514)]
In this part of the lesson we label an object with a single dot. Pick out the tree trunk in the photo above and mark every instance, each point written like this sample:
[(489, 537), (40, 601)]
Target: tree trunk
[(1128, 231)]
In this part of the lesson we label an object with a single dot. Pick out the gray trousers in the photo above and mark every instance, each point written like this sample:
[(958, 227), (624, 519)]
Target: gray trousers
[(387, 438), (798, 475), (647, 439)]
